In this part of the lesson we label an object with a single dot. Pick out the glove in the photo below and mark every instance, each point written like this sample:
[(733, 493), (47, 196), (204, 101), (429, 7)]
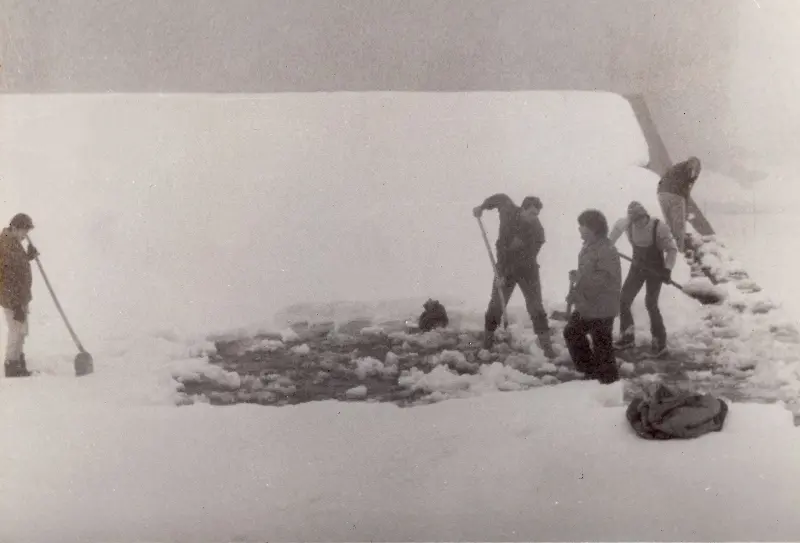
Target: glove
[(666, 275), (477, 212), (570, 299), (19, 314), (33, 252), (500, 281), (573, 276)]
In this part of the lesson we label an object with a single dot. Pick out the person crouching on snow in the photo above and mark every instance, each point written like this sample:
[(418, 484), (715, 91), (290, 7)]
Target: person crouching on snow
[(654, 255), (518, 244), (673, 195), (595, 295)]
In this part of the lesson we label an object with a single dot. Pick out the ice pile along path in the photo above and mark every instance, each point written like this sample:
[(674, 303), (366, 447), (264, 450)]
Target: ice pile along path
[(751, 330)]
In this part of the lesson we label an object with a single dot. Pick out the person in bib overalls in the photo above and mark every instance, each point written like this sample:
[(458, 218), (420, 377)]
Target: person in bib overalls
[(654, 256)]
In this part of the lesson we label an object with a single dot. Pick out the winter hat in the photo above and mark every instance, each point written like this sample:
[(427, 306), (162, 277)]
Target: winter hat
[(21, 220), (636, 210), (532, 201)]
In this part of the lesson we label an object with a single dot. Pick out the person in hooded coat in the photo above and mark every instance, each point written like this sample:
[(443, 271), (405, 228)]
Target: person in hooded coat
[(16, 281), (654, 256), (595, 294)]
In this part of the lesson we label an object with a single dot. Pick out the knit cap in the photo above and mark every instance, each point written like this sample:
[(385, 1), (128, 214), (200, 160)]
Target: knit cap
[(636, 210)]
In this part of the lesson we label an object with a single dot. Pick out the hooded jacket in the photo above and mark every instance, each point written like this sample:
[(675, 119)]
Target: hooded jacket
[(679, 180), (16, 279), (518, 242), (598, 282)]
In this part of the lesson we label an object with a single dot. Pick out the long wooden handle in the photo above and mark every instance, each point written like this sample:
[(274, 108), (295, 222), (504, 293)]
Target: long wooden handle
[(670, 282), (494, 267), (569, 305), (58, 305)]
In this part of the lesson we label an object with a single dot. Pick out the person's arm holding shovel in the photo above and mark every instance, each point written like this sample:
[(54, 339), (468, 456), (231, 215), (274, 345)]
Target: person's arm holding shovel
[(33, 252), (666, 243)]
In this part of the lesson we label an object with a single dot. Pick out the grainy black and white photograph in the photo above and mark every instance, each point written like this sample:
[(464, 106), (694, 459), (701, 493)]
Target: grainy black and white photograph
[(399, 270)]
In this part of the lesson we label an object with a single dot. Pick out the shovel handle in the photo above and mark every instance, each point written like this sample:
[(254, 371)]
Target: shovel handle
[(494, 267), (569, 304), (670, 282), (58, 305)]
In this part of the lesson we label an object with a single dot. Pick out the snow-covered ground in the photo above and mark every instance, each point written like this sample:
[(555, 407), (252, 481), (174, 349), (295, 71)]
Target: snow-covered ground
[(353, 197)]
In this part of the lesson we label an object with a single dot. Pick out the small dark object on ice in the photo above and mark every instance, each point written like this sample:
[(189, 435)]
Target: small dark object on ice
[(434, 316)]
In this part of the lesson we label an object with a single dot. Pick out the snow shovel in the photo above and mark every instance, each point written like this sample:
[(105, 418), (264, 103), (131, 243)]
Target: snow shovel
[(705, 298), (494, 267), (84, 364), (564, 315)]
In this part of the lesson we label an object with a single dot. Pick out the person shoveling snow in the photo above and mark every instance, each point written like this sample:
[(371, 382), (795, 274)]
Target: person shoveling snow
[(673, 192), (16, 281), (519, 241), (654, 256)]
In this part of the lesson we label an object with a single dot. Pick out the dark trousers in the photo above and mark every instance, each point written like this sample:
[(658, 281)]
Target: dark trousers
[(528, 281), (630, 289), (597, 359)]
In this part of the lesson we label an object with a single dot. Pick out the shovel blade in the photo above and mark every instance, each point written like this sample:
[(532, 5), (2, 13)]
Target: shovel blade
[(706, 299), (84, 364)]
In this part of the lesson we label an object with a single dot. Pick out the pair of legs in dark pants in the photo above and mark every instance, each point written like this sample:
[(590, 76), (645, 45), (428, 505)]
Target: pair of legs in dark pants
[(528, 280), (597, 359), (637, 278)]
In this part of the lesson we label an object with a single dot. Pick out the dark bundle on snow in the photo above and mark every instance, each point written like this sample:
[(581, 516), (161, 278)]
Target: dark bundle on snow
[(434, 316)]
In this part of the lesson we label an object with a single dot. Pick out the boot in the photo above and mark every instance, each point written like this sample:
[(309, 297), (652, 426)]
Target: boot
[(658, 348), (16, 368), (489, 327), (488, 340), (546, 345), (23, 366), (625, 342)]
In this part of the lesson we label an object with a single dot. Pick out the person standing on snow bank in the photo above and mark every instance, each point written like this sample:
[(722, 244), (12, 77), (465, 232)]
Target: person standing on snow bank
[(654, 255), (16, 281), (673, 195), (519, 241), (595, 294)]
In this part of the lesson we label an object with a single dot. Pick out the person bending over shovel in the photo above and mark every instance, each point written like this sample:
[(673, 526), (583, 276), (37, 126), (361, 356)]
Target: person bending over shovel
[(518, 244), (654, 255), (15, 290), (595, 294), (673, 193)]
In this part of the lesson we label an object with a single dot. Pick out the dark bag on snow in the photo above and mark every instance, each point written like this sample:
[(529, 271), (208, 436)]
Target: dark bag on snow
[(665, 413), (434, 316)]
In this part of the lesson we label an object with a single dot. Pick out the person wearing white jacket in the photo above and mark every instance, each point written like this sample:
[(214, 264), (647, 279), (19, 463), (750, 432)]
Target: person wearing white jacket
[(654, 256)]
